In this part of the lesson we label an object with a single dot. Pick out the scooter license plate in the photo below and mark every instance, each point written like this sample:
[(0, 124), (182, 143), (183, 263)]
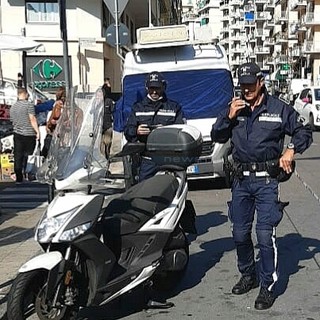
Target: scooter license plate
[(193, 169)]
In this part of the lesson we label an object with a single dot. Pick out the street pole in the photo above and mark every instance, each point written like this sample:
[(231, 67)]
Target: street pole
[(64, 37), (150, 16), (116, 15)]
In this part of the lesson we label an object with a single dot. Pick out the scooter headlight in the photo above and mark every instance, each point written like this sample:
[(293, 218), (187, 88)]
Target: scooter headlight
[(48, 227), (73, 233)]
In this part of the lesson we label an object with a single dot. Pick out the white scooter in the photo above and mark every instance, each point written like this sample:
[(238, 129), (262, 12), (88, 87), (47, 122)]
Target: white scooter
[(101, 244)]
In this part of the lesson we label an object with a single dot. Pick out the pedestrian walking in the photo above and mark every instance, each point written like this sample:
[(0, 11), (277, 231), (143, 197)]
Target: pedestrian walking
[(154, 110), (53, 117), (106, 88), (107, 126), (25, 132), (257, 124)]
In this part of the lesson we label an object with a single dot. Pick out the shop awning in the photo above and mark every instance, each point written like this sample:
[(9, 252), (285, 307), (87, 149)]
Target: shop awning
[(18, 43)]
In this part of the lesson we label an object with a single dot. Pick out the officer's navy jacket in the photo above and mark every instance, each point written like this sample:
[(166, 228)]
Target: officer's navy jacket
[(258, 136), (163, 111)]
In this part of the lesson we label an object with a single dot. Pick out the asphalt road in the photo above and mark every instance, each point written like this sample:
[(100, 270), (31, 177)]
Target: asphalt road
[(205, 292)]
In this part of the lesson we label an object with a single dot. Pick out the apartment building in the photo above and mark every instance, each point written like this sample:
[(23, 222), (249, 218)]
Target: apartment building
[(282, 37), (91, 58), (203, 18)]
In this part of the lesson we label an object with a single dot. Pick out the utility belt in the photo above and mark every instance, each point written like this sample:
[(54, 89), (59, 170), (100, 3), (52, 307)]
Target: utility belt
[(268, 168)]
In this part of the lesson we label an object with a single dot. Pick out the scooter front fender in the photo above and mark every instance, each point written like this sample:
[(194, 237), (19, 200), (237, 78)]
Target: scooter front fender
[(44, 261)]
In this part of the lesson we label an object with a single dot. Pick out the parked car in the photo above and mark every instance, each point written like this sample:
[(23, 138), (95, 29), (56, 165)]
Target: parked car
[(308, 106), (8, 93)]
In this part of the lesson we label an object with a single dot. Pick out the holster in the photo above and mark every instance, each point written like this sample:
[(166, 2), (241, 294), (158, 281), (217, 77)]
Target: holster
[(229, 172), (276, 172)]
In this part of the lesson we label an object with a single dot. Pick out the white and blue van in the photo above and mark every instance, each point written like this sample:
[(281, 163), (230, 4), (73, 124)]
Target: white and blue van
[(198, 78)]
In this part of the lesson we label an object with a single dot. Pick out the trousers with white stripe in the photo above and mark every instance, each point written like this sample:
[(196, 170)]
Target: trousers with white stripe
[(256, 195)]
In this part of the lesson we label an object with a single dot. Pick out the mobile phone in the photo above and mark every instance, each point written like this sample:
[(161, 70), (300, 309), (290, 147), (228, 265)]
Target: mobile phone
[(238, 93)]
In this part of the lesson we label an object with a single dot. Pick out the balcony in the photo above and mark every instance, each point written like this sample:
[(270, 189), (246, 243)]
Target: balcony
[(269, 61), (296, 51), (235, 62), (281, 18), (188, 17), (237, 49), (261, 16), (281, 59), (296, 28), (310, 20), (224, 6), (258, 33), (235, 37), (280, 38), (225, 17), (269, 42), (248, 23), (261, 50), (269, 6), (297, 5), (269, 24), (310, 47), (224, 30), (236, 2), (235, 26)]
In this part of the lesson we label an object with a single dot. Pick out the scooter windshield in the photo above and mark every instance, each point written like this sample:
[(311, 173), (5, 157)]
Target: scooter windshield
[(74, 153)]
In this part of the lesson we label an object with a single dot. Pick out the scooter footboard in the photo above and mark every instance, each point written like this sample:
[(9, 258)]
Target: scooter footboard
[(44, 261)]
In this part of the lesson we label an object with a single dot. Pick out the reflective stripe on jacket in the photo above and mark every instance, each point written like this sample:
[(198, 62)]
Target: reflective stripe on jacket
[(150, 112)]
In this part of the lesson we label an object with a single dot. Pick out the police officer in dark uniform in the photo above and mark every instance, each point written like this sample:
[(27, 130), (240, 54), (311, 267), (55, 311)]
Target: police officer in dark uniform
[(153, 111), (257, 124)]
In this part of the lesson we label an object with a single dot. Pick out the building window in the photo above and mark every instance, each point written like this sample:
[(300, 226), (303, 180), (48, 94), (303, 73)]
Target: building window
[(42, 11)]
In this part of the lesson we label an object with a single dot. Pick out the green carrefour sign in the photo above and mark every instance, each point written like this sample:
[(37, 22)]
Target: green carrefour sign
[(47, 69), (46, 72)]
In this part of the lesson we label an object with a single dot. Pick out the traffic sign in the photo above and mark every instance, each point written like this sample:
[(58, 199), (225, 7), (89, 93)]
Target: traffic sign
[(123, 35), (112, 7)]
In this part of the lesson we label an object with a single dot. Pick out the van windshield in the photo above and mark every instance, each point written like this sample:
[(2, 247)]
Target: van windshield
[(201, 93)]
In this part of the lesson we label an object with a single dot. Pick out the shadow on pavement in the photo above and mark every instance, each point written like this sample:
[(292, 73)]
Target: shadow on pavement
[(292, 249), (199, 264), (12, 235)]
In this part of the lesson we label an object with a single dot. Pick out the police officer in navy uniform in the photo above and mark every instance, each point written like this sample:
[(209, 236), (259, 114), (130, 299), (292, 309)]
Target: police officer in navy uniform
[(257, 124), (153, 111)]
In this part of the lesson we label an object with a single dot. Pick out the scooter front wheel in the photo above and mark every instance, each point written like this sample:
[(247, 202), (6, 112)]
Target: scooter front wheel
[(27, 298)]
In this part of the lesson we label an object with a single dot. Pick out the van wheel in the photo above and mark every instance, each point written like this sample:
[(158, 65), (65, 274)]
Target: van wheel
[(311, 121)]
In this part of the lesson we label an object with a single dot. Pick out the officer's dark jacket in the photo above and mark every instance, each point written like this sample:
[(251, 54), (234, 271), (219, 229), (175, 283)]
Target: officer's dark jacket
[(258, 136), (150, 112)]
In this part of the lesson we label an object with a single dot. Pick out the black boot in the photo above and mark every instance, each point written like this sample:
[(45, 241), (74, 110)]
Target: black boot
[(264, 300), (153, 300), (245, 284)]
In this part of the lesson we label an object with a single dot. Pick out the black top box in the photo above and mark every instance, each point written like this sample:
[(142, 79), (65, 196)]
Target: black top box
[(178, 145)]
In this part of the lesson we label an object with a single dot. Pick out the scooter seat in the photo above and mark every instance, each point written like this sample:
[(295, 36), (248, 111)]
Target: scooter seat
[(128, 213)]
